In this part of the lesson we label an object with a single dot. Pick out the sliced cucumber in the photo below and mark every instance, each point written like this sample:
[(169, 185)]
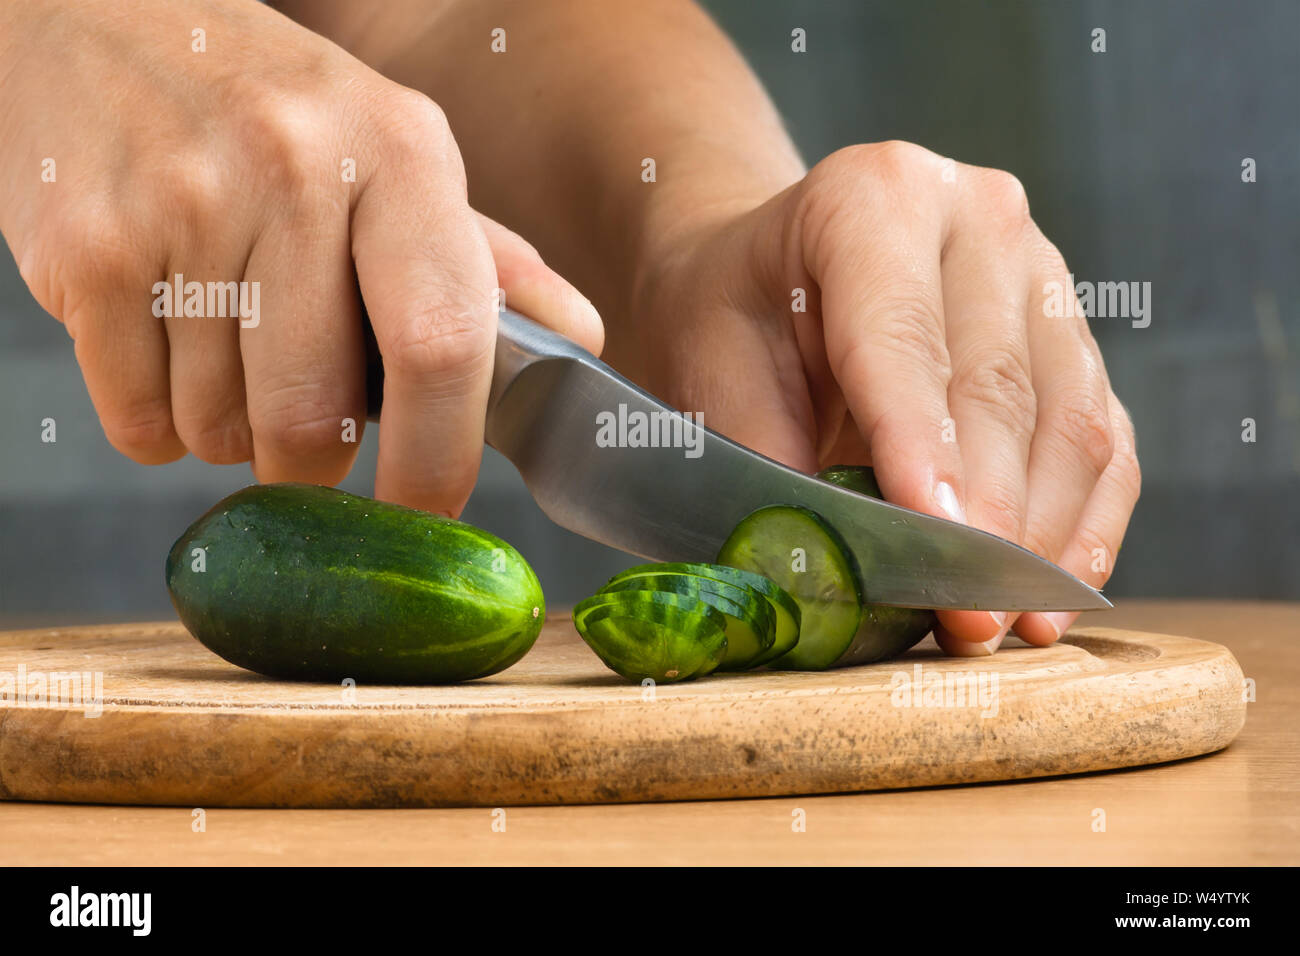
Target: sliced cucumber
[(598, 600), (659, 635), (751, 624), (798, 550), (785, 609), (884, 632)]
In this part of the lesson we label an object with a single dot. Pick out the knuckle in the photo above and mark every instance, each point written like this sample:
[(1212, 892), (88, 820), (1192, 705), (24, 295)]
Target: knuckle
[(834, 165), (867, 176), (999, 382), (1085, 425), (448, 341), (1127, 470), (412, 125), (1001, 203), (283, 133), (1002, 504), (917, 331), (1040, 538), (1005, 194), (517, 260), (105, 254), (47, 266), (141, 432), (521, 270), (216, 443), (189, 187), (893, 160), (1091, 541), (897, 155), (299, 420), (1050, 259), (912, 333)]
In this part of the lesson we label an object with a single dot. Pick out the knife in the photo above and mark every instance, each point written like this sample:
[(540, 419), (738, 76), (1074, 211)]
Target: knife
[(580, 435)]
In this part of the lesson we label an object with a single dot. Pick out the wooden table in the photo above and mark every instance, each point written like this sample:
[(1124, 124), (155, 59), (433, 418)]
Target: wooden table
[(1240, 806)]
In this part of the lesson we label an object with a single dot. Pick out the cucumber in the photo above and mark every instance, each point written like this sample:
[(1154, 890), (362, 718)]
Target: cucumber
[(751, 624), (312, 583), (784, 608), (797, 549), (657, 635), (857, 478), (884, 631)]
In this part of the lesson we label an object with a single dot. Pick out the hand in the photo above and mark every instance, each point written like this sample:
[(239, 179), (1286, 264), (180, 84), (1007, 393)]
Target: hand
[(230, 164), (924, 351)]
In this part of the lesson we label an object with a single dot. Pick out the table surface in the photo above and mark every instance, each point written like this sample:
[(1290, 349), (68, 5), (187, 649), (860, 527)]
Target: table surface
[(1240, 806)]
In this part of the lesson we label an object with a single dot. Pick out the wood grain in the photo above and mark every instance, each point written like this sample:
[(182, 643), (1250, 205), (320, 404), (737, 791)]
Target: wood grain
[(1239, 806), (179, 726)]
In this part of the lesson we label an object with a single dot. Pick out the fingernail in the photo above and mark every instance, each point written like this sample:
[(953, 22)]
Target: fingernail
[(1059, 621), (946, 499), (981, 649)]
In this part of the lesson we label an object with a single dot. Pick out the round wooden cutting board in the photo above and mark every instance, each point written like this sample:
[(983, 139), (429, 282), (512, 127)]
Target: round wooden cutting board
[(176, 725)]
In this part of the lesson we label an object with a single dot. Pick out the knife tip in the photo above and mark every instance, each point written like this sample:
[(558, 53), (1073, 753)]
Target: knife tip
[(1099, 601)]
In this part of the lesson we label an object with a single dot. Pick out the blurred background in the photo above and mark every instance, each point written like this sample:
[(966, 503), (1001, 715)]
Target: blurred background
[(1132, 159)]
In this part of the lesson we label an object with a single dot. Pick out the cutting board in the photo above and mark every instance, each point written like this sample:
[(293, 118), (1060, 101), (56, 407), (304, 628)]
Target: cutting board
[(177, 725)]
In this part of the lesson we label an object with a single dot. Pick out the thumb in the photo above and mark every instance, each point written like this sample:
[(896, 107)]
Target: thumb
[(531, 287)]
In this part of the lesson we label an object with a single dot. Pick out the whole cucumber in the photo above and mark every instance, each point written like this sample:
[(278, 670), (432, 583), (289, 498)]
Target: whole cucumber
[(306, 582)]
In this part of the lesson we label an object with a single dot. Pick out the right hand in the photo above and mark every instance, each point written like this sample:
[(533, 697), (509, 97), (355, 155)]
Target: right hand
[(227, 166)]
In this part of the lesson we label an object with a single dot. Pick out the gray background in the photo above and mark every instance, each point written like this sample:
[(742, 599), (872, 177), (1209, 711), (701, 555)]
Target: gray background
[(1132, 163)]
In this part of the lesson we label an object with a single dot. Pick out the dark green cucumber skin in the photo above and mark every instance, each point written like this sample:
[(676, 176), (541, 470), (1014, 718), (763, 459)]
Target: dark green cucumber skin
[(689, 637), (738, 577), (749, 610), (311, 583), (884, 632), (776, 596), (857, 478)]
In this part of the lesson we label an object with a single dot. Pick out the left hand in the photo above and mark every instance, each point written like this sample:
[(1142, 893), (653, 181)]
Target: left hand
[(924, 351)]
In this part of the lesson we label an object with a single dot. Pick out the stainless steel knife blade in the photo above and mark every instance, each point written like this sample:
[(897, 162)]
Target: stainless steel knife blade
[(679, 501)]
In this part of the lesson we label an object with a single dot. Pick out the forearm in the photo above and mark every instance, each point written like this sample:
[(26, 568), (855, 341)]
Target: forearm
[(555, 130)]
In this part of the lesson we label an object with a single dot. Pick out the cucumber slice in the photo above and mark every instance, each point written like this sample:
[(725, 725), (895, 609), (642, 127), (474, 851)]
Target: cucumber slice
[(884, 631), (803, 554), (598, 600), (659, 635), (751, 624), (784, 608)]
